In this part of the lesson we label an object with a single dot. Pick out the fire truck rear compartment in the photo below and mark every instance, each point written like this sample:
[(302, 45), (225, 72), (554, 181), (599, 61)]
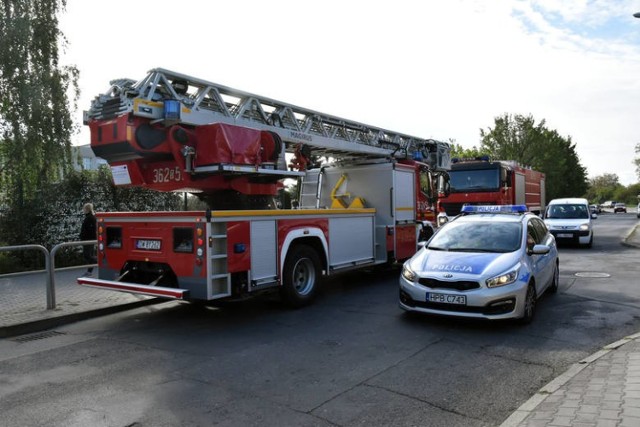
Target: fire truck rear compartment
[(148, 273)]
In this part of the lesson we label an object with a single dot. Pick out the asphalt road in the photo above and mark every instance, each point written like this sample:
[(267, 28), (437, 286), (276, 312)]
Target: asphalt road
[(354, 358)]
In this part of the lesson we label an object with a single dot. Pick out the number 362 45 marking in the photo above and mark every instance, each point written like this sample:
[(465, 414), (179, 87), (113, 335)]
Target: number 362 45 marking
[(161, 175)]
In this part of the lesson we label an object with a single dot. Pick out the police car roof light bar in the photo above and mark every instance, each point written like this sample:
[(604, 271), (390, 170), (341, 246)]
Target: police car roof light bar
[(467, 209)]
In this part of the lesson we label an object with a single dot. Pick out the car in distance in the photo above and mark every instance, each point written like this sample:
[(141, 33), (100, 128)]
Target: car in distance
[(570, 221), (489, 262), (595, 209), (619, 207)]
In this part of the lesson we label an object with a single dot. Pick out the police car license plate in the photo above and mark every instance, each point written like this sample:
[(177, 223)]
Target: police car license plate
[(447, 298), (148, 245)]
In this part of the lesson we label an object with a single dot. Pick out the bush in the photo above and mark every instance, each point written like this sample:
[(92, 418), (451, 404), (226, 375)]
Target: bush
[(54, 214)]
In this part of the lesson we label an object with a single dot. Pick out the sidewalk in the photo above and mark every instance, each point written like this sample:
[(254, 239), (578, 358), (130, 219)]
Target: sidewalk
[(602, 390), (23, 302)]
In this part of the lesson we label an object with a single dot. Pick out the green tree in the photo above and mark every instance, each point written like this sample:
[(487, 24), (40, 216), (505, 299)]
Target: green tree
[(457, 151), (603, 188), (37, 99), (519, 138), (628, 195)]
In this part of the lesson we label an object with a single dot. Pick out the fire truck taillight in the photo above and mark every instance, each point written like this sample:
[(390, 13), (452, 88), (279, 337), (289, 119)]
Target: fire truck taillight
[(199, 245)]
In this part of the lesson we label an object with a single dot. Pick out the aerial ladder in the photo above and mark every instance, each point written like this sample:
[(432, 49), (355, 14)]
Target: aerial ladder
[(174, 132)]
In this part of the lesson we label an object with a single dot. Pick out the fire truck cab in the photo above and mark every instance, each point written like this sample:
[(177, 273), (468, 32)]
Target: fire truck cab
[(481, 181)]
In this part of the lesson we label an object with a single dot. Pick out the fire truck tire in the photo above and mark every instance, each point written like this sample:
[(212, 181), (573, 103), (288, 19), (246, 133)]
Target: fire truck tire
[(301, 276)]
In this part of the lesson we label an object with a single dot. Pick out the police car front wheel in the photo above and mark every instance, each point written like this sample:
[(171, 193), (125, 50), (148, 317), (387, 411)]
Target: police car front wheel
[(529, 304)]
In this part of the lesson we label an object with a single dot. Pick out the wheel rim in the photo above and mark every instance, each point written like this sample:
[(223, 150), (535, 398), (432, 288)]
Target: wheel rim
[(304, 276), (530, 303)]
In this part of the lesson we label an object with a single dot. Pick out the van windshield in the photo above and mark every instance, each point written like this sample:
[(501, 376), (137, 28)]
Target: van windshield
[(568, 211)]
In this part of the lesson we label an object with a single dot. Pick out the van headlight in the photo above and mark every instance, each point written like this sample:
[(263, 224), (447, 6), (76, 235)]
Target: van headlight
[(504, 279), (408, 273), (584, 227)]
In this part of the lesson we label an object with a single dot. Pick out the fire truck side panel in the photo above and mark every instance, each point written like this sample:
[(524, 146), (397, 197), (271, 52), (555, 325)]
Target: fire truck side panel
[(351, 241), (404, 193), (239, 246), (404, 205), (264, 254), (535, 191), (520, 198)]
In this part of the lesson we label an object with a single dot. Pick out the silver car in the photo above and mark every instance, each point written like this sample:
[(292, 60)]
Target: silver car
[(490, 262)]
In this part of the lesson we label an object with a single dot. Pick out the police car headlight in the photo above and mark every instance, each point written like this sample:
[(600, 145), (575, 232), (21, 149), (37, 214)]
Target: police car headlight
[(504, 279), (584, 227), (408, 273)]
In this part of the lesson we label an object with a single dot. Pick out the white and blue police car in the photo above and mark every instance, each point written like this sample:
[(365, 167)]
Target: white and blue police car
[(490, 262)]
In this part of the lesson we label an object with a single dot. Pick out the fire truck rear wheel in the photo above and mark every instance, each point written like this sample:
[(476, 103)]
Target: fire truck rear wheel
[(301, 276)]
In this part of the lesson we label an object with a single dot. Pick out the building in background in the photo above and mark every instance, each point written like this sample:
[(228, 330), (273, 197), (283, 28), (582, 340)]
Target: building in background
[(84, 158)]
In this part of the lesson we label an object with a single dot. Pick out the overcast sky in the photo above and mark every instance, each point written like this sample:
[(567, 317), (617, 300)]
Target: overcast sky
[(434, 69)]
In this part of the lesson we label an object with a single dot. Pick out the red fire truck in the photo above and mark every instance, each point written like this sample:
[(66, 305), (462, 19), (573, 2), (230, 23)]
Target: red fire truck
[(368, 205), (480, 181)]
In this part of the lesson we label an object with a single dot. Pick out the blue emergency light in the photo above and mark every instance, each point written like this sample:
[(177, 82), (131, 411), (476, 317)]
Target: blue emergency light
[(171, 109), (494, 209)]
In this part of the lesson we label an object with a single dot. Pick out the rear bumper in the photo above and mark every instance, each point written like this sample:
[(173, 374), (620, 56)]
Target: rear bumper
[(134, 288)]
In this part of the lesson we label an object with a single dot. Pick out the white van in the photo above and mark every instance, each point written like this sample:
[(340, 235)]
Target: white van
[(569, 220)]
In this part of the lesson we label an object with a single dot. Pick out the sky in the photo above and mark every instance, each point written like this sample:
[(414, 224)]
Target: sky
[(433, 69)]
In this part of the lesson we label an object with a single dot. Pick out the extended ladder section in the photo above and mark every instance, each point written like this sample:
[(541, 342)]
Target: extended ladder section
[(168, 97)]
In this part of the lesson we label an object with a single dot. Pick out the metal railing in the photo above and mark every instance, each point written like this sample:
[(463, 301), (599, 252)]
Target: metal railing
[(49, 263)]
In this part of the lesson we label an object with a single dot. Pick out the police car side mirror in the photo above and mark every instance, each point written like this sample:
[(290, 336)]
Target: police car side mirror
[(539, 250), (594, 216)]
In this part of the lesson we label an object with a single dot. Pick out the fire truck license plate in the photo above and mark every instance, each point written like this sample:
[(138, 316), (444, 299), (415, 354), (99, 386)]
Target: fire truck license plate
[(148, 245), (447, 298)]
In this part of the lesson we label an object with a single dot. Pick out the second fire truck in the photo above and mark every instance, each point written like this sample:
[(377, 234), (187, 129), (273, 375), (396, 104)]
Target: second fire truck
[(480, 181), (368, 205)]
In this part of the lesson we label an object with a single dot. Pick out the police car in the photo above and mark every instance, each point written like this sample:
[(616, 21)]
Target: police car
[(490, 262)]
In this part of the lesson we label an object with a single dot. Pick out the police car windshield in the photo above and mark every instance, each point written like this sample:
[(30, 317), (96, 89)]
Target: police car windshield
[(478, 236), (567, 211)]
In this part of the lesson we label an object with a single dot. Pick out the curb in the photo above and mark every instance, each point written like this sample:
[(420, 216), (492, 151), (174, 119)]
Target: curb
[(43, 324), (631, 232), (530, 405)]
